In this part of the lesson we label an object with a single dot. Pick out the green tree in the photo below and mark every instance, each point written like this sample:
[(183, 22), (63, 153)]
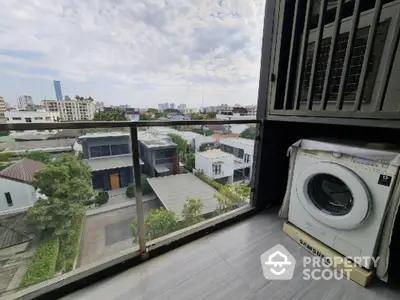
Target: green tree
[(146, 117), (208, 132), (189, 161), (102, 198), (66, 186), (116, 115), (181, 142), (5, 156), (211, 115), (203, 147), (43, 157), (249, 133), (192, 211), (158, 222)]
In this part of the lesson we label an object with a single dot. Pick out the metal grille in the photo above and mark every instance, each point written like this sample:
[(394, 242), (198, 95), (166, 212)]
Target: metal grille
[(356, 62)]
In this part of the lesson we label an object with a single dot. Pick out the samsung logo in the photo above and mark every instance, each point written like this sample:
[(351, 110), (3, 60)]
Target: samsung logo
[(364, 162), (314, 251)]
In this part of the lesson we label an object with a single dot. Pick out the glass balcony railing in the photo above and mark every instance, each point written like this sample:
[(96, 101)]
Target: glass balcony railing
[(73, 206)]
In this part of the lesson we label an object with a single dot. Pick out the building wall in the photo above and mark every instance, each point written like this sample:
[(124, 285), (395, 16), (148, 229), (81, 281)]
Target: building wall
[(206, 165), (103, 141), (247, 149), (23, 196), (101, 179), (2, 106), (72, 110), (31, 117), (25, 102), (151, 158)]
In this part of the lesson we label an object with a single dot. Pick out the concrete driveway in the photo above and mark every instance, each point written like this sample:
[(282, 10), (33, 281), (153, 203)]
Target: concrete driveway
[(107, 233)]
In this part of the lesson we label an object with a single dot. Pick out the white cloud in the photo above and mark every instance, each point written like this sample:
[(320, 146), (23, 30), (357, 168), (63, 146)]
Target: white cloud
[(168, 43)]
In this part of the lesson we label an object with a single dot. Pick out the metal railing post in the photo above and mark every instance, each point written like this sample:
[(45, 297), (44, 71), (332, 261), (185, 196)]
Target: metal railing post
[(138, 190)]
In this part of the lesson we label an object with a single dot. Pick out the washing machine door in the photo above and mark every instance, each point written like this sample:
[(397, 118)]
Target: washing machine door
[(333, 195)]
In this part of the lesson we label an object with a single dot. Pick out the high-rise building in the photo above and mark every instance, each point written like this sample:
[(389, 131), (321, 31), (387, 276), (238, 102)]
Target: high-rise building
[(172, 106), (25, 102), (164, 106), (72, 110), (67, 98), (2, 106), (57, 89), (182, 107)]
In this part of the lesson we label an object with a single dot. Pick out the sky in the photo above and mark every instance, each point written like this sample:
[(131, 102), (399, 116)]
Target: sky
[(135, 52)]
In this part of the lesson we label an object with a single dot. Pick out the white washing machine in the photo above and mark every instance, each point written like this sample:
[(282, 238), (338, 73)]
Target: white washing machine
[(339, 194)]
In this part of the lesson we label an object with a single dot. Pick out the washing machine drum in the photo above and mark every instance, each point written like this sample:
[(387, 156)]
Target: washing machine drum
[(333, 195)]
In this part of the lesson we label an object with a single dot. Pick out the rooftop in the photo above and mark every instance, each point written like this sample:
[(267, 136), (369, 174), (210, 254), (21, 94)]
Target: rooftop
[(60, 145), (103, 134), (237, 141), (23, 170), (152, 141), (184, 186), (214, 153)]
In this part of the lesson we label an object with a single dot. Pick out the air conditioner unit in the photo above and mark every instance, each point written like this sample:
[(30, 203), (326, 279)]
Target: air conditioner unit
[(384, 38)]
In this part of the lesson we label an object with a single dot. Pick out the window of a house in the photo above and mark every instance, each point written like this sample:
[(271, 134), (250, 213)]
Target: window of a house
[(17, 118), (95, 152), (119, 149), (8, 199), (216, 169), (241, 153), (28, 120), (246, 158), (38, 118)]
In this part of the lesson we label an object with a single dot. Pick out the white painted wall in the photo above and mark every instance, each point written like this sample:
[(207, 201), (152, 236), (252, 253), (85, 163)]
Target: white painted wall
[(205, 164), (23, 196), (245, 144), (34, 116)]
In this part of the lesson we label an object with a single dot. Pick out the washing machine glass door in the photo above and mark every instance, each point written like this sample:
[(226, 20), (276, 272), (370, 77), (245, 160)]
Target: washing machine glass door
[(333, 195)]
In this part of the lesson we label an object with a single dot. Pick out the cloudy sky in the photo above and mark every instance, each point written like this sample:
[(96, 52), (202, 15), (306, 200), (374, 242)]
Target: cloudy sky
[(136, 52)]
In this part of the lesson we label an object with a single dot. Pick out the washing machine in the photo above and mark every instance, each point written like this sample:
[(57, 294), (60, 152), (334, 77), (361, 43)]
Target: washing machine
[(340, 193)]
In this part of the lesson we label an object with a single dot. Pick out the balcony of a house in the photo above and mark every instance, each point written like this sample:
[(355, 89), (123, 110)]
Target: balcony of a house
[(115, 198), (226, 265)]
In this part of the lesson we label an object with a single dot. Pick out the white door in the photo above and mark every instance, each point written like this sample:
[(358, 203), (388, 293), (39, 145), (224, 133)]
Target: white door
[(333, 195)]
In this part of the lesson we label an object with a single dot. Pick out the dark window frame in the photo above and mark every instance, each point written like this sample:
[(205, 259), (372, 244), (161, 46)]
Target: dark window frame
[(9, 199)]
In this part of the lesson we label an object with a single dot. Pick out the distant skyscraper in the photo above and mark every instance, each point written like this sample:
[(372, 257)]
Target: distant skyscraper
[(182, 107), (67, 98), (57, 89), (25, 102), (172, 106)]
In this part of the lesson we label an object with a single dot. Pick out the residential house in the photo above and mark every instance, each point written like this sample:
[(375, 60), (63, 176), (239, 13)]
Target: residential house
[(17, 193), (160, 156), (109, 157), (243, 150), (216, 164)]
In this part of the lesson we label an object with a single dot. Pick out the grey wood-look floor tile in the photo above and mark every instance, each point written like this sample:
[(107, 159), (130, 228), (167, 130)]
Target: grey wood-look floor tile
[(226, 265), (201, 286)]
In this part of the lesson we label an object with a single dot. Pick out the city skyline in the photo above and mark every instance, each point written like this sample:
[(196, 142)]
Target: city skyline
[(139, 54)]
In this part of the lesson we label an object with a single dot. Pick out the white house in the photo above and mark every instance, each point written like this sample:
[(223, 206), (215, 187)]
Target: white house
[(16, 192), (216, 164), (23, 116), (243, 151)]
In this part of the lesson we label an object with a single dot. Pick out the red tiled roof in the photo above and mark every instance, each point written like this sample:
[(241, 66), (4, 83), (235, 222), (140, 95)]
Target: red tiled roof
[(23, 170)]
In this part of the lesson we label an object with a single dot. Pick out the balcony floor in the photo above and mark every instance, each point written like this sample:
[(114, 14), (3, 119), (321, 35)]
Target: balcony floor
[(226, 265)]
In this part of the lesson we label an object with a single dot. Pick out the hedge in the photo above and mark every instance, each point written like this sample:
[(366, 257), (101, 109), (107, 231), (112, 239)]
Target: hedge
[(71, 245), (218, 186), (43, 265), (215, 184)]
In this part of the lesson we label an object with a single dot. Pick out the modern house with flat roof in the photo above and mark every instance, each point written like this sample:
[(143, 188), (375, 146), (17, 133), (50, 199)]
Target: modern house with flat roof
[(216, 164), (160, 156), (110, 159), (243, 151)]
